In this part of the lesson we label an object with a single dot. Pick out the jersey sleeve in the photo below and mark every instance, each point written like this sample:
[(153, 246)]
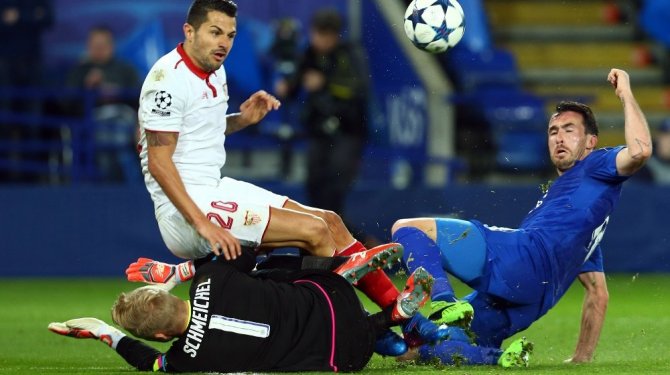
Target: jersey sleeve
[(595, 262), (602, 164), (141, 356), (163, 101)]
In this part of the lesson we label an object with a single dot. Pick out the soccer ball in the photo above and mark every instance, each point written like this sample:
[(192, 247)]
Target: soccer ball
[(434, 25)]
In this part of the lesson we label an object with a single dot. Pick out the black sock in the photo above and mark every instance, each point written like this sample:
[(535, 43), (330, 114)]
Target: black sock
[(382, 321)]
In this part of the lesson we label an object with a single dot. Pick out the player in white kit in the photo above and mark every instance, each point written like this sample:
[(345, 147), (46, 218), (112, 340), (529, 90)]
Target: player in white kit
[(184, 124)]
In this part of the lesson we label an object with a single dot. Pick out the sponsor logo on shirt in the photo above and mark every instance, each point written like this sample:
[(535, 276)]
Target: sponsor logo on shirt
[(158, 75)]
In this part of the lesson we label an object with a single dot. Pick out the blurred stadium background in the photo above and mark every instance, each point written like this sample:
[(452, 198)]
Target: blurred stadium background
[(460, 134)]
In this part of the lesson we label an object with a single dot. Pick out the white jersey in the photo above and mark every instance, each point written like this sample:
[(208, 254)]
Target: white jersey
[(179, 97)]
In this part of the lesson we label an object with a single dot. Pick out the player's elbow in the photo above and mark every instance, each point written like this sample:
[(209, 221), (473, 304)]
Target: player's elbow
[(644, 155), (641, 154)]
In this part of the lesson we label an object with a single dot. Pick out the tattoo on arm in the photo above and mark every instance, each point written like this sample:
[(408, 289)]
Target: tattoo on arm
[(641, 145), (155, 139)]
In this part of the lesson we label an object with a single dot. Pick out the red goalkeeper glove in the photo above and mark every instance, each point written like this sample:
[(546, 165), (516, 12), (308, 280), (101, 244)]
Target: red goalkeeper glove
[(152, 272)]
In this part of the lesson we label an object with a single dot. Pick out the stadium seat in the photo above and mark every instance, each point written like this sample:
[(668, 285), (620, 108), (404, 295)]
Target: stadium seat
[(512, 109), (518, 123), (522, 151), (471, 71)]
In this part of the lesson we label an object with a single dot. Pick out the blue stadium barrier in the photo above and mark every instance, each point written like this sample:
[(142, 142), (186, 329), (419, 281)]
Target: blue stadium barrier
[(98, 231), (76, 138)]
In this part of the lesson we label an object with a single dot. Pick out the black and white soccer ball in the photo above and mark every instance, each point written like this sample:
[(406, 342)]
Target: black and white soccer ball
[(163, 99), (434, 25)]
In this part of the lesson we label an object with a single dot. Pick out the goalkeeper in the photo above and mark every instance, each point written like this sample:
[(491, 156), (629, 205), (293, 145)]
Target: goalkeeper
[(280, 320)]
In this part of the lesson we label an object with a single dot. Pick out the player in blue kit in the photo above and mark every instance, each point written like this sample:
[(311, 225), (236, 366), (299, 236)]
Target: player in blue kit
[(519, 274)]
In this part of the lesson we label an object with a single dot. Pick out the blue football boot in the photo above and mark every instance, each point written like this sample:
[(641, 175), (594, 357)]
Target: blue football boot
[(390, 344), (420, 330)]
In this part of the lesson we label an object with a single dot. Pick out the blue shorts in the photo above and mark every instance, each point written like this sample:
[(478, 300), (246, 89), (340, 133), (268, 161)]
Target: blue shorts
[(462, 248), (500, 265)]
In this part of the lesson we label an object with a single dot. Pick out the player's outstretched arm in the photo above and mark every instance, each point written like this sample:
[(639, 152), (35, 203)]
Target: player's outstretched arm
[(161, 147), (638, 138), (252, 111), (135, 352), (88, 328), (593, 315)]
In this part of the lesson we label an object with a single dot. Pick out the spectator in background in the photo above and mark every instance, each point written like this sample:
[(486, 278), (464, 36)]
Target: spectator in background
[(101, 71), (114, 85), (22, 23), (334, 77)]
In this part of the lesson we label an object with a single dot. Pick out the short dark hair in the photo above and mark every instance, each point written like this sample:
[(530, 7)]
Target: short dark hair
[(327, 20), (590, 124), (197, 12)]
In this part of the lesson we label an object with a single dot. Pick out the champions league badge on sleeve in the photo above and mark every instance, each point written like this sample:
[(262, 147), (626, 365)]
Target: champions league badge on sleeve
[(163, 101)]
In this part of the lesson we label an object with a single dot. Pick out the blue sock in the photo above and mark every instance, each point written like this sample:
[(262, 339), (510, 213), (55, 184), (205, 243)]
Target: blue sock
[(421, 251), (449, 352)]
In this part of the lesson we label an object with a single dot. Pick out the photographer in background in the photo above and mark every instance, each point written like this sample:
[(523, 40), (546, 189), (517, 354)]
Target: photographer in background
[(334, 77)]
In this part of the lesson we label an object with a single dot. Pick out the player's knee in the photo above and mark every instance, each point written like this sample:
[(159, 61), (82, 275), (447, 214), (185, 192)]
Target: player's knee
[(333, 220), (317, 234), (402, 223), (425, 225)]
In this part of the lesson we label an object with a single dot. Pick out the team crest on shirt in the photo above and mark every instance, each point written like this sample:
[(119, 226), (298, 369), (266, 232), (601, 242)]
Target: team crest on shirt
[(158, 75), (163, 101), (251, 218)]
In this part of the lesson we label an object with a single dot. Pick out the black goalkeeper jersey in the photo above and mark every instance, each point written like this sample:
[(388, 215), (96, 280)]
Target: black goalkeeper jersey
[(310, 320)]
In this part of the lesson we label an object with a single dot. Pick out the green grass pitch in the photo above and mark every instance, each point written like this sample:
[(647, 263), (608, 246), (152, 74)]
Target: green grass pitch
[(635, 339)]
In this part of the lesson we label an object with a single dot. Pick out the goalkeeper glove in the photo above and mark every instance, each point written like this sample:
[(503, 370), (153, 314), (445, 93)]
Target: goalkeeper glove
[(88, 328), (152, 272)]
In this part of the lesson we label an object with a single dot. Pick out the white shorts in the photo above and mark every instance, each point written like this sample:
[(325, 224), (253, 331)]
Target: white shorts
[(238, 206)]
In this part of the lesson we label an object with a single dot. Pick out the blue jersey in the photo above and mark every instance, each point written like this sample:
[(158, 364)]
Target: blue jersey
[(570, 220), (536, 263)]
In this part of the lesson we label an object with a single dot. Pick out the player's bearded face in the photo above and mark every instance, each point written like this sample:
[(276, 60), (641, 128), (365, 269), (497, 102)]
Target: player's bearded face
[(213, 40), (567, 140)]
